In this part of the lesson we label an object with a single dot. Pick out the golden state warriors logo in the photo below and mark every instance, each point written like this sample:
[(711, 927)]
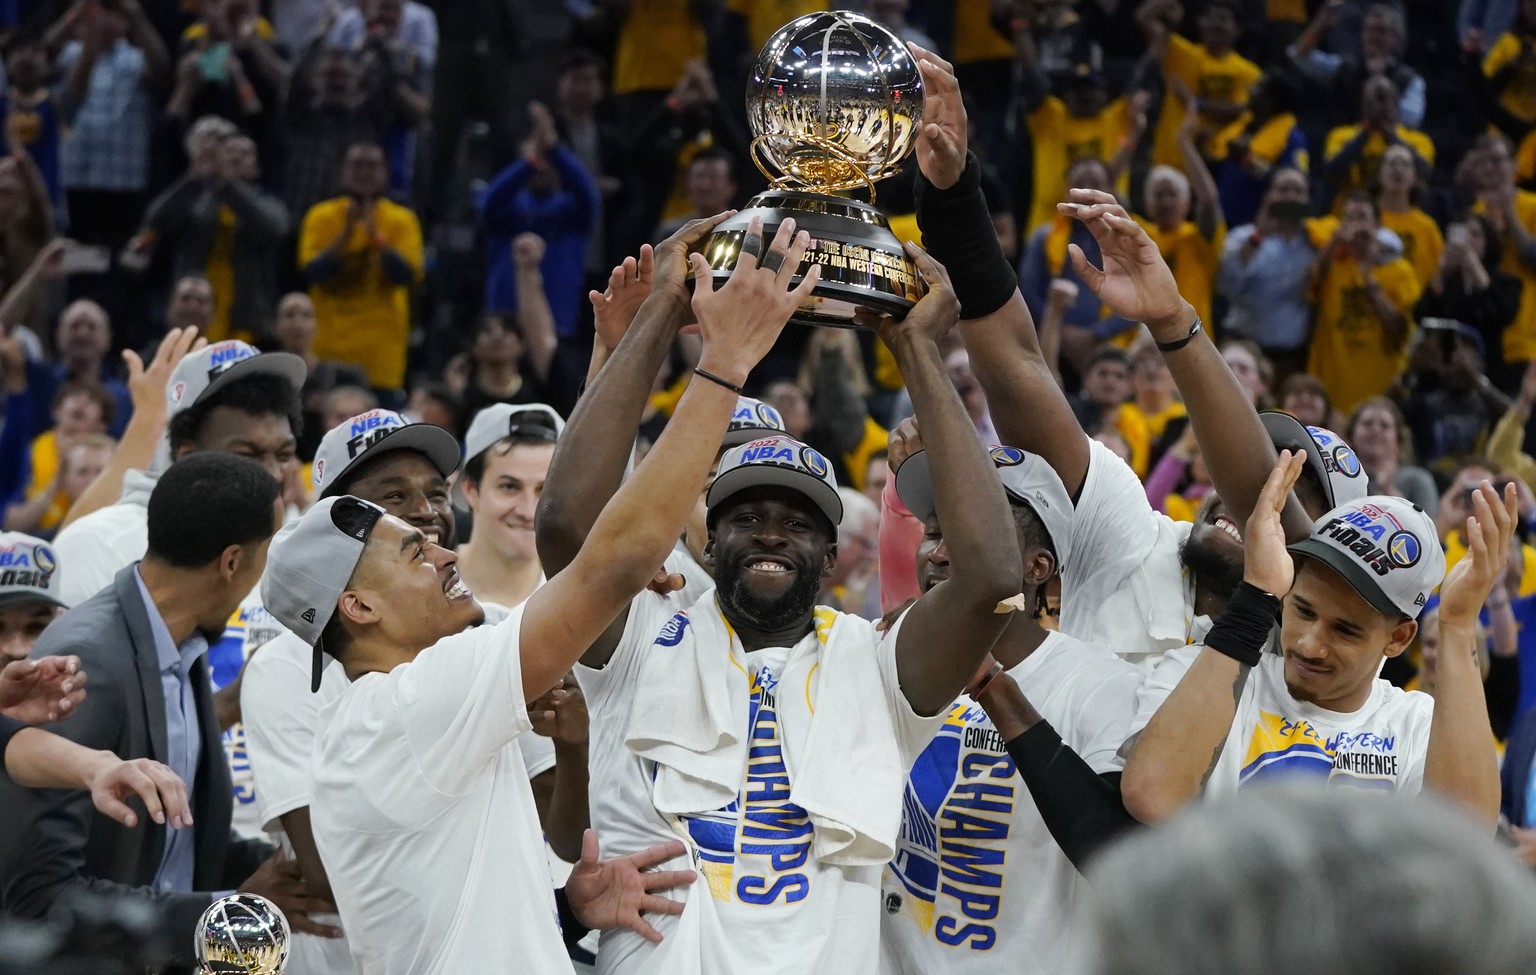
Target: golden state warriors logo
[(814, 462), (1345, 461), (1404, 549), (1007, 456), (768, 416), (42, 558)]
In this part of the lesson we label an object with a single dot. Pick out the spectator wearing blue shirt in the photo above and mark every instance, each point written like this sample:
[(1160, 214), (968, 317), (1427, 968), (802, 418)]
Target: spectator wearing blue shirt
[(1264, 272), (547, 192)]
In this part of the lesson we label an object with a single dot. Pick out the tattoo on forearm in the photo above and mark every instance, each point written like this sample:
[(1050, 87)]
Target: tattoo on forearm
[(1238, 683)]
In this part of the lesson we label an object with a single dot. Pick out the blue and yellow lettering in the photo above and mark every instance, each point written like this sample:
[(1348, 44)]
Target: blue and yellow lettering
[(983, 796), (950, 932), (963, 826), (977, 764), (973, 904), (792, 889), (963, 865)]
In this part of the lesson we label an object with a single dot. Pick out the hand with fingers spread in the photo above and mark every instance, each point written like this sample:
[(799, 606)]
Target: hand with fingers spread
[(933, 315), (1488, 531), (1266, 562), (561, 713), (941, 144), (741, 321), (1135, 282), (281, 882), (146, 384), (42, 690), (163, 794), (607, 894), (613, 310)]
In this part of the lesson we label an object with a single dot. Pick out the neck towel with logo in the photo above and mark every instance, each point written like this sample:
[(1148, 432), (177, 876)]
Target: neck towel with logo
[(690, 719)]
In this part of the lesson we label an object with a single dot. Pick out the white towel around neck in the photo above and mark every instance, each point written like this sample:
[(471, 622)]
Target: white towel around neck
[(690, 718)]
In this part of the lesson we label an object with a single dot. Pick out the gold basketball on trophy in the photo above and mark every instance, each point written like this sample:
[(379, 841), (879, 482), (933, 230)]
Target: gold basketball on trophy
[(834, 101)]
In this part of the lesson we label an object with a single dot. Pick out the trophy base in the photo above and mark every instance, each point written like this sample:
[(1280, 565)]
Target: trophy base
[(862, 263)]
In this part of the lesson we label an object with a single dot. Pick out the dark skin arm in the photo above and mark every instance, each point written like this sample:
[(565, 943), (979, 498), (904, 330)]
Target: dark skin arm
[(561, 793), (963, 612), (596, 444), (1028, 407), (302, 837), (1137, 283)]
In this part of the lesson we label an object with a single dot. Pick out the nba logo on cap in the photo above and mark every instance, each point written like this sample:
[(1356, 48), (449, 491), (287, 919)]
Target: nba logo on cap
[(178, 391)]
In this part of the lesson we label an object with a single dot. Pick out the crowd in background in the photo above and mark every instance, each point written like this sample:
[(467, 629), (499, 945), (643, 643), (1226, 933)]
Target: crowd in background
[(417, 198)]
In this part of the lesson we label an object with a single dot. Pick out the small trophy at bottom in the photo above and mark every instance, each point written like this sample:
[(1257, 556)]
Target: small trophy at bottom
[(242, 933)]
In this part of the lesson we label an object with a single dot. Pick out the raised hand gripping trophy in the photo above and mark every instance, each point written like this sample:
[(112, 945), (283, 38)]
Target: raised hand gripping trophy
[(244, 934), (835, 102)]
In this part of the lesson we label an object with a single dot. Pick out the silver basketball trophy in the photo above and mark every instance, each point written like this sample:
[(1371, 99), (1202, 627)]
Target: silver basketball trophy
[(835, 102), (242, 933)]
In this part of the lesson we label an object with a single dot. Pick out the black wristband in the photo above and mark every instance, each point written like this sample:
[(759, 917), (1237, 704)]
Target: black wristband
[(957, 231), (1243, 628), (1178, 344), (719, 382), (571, 928)]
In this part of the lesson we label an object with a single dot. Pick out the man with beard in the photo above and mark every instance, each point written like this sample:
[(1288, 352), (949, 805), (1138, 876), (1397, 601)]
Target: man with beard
[(1138, 583), (791, 831), (613, 311), (1226, 716), (421, 808)]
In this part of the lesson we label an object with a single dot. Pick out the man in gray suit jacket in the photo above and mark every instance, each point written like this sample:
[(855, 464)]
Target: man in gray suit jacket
[(144, 640)]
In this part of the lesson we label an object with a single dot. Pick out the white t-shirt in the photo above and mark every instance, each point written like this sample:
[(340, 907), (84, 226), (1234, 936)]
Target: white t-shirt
[(1125, 587), (1381, 746), (423, 814), (771, 898), (280, 719), (978, 885), (249, 628)]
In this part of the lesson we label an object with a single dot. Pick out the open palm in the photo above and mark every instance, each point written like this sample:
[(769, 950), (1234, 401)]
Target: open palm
[(1135, 282)]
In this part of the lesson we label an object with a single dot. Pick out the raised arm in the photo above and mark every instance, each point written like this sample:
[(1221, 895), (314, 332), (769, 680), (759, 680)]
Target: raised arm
[(141, 438), (1174, 755), (533, 312), (945, 636), (1461, 763), (1137, 284), (639, 526), (596, 444), (1028, 407)]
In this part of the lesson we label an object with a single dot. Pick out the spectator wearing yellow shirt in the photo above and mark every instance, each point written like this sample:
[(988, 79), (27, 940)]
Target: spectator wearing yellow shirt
[(1191, 247), (1071, 118), (983, 57), (1510, 70), (763, 17), (1422, 241), (1363, 305), (80, 409), (1513, 212), (656, 41), (1154, 402), (219, 224), (1245, 155), (1353, 153), (362, 254), (1210, 75), (46, 506)]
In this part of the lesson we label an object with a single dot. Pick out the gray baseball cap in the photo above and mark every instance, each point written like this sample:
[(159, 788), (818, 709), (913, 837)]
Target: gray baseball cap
[(751, 420), (1386, 549), (1027, 478), (781, 462), (1329, 458), (204, 372), (376, 432), (497, 422), (29, 571), (309, 565)]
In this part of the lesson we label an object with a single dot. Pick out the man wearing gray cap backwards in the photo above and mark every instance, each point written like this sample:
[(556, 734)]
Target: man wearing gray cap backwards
[(1226, 716), (422, 810)]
